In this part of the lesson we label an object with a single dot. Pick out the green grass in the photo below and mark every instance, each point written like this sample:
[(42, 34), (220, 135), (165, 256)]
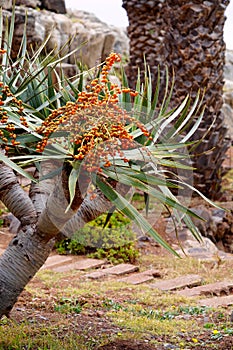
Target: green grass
[(66, 311), (30, 336)]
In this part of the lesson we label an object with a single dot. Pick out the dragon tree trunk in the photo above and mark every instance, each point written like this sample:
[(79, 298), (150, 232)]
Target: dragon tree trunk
[(43, 215)]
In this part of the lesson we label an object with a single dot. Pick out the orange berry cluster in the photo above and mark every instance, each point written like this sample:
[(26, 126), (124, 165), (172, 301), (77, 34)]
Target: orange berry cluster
[(8, 98), (95, 126)]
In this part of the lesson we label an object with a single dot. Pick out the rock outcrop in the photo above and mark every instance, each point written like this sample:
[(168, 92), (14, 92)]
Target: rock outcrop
[(57, 6), (228, 92), (67, 31), (6, 4)]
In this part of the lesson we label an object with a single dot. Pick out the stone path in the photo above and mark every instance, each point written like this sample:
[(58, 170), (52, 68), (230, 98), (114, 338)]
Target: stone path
[(217, 301), (216, 294), (213, 289), (79, 264), (141, 277), (178, 283)]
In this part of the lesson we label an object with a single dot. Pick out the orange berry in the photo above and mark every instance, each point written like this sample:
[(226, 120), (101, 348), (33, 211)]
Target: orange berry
[(133, 94)]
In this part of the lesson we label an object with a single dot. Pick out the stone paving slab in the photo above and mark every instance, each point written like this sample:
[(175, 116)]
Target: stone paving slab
[(138, 278), (141, 277), (216, 289), (121, 269), (66, 268), (217, 301), (55, 261), (96, 274), (178, 283), (153, 272), (83, 264)]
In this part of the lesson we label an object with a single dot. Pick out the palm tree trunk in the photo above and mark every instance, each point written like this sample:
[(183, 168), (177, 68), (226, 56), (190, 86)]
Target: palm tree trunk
[(186, 36)]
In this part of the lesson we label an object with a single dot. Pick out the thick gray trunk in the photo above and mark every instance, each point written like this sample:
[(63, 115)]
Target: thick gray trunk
[(24, 256), (40, 191), (55, 213), (28, 251), (14, 197)]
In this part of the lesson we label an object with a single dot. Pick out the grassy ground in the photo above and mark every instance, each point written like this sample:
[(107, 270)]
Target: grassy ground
[(66, 311)]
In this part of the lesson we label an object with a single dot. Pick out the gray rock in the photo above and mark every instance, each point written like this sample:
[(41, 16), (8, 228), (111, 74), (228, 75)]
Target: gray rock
[(97, 39), (208, 227), (57, 6), (228, 71), (228, 92), (194, 247), (91, 39), (6, 4), (29, 3), (169, 346)]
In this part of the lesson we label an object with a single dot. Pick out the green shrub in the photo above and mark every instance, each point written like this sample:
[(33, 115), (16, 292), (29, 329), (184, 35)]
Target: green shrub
[(115, 242), (128, 253)]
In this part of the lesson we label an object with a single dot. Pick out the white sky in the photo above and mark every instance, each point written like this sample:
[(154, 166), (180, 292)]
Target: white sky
[(111, 12)]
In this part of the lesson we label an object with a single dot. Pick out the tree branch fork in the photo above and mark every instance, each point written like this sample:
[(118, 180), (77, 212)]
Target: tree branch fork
[(42, 214)]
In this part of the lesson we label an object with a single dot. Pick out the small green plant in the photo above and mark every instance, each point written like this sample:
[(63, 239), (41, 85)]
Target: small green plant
[(70, 246), (68, 305), (127, 253), (193, 310), (115, 242), (110, 304)]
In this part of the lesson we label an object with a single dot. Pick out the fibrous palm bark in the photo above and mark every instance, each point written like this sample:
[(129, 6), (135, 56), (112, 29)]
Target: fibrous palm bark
[(186, 36)]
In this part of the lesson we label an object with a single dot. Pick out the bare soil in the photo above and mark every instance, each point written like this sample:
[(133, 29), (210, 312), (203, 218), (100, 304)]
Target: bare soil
[(36, 306)]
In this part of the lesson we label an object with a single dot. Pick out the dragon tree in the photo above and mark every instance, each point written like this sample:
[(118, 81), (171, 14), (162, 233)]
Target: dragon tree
[(88, 141)]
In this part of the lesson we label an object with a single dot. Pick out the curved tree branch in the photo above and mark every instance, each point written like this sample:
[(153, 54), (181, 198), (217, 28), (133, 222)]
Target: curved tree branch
[(55, 213), (28, 251), (14, 197), (40, 191)]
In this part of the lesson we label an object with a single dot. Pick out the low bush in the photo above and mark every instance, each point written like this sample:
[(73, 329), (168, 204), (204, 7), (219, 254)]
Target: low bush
[(115, 242)]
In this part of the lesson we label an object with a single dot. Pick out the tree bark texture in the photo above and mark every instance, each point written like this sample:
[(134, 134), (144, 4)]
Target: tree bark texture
[(24, 256), (40, 223), (28, 250), (186, 36), (14, 197)]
